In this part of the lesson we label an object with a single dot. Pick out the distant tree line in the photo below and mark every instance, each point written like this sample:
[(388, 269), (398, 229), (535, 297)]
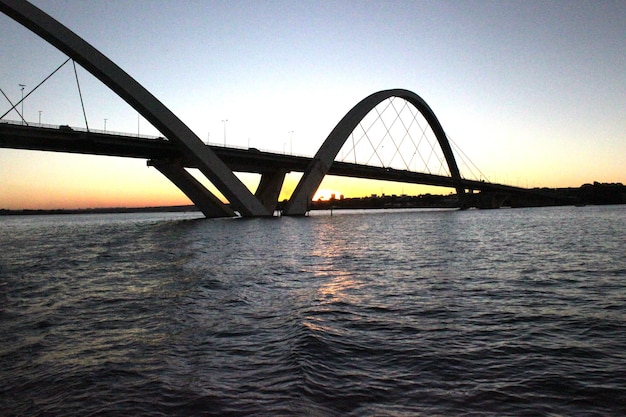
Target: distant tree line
[(592, 194), (588, 194)]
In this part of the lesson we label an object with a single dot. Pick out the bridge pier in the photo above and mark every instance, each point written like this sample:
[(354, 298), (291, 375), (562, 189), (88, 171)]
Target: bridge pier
[(208, 203), (269, 188), (300, 201), (487, 199), (465, 199)]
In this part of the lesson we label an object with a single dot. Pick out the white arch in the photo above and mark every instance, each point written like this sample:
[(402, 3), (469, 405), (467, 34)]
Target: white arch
[(309, 183), (149, 107)]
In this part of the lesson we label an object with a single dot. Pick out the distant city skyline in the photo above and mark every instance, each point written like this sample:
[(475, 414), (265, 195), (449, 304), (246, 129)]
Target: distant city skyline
[(533, 92)]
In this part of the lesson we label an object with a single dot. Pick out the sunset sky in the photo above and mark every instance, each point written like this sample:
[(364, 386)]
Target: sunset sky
[(533, 92)]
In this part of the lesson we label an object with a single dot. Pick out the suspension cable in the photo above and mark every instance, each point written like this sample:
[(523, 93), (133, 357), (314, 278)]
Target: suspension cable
[(33, 90), (432, 149), (466, 159), (80, 95), (11, 103)]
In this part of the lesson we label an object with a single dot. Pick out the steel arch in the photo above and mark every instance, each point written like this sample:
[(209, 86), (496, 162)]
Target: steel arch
[(153, 110), (299, 202)]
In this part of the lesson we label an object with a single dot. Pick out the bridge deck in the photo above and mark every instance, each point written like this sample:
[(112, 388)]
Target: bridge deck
[(66, 139)]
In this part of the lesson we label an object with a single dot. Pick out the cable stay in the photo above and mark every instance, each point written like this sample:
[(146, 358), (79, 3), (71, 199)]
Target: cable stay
[(80, 94), (404, 129), (14, 106), (467, 160), (411, 139)]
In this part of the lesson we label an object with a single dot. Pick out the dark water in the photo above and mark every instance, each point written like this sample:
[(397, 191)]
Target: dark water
[(486, 313)]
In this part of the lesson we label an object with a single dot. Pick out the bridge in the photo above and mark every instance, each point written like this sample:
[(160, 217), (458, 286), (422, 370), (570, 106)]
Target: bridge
[(76, 140), (365, 125)]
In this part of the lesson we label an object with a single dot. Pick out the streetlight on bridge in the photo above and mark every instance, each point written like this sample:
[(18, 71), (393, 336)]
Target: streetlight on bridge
[(22, 101), (224, 123)]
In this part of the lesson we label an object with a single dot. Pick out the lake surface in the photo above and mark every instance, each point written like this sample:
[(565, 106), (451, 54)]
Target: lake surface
[(398, 313)]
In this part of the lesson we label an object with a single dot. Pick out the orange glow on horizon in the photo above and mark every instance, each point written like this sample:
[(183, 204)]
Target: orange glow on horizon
[(45, 180), (59, 199), (326, 194), (89, 191)]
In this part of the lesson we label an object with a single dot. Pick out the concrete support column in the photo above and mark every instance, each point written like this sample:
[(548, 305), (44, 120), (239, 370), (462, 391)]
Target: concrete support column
[(208, 203), (299, 203), (269, 188)]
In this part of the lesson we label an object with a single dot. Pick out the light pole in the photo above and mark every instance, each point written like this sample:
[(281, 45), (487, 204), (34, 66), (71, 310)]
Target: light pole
[(224, 123), (291, 142), (105, 125), (22, 101), (39, 118)]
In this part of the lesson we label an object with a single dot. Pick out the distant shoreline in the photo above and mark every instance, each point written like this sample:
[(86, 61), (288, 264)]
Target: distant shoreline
[(593, 194), (103, 210)]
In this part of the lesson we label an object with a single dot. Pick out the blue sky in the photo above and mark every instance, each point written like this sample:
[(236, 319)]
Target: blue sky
[(534, 92)]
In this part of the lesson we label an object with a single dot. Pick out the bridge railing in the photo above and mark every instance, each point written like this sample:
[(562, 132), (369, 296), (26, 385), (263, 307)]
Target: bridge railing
[(266, 150), (79, 129), (152, 137)]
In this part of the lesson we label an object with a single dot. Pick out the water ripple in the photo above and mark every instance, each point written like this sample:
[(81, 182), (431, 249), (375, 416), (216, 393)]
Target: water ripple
[(508, 312)]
